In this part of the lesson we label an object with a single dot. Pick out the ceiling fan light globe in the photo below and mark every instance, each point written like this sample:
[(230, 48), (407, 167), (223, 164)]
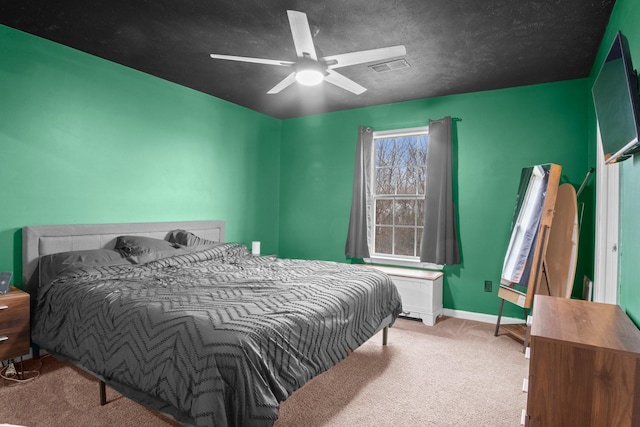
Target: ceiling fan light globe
[(309, 77)]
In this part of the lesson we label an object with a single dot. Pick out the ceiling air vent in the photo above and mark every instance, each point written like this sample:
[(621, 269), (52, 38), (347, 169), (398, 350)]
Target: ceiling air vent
[(397, 64)]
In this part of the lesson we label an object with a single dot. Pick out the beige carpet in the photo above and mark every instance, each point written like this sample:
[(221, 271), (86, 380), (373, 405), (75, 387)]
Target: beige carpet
[(453, 374)]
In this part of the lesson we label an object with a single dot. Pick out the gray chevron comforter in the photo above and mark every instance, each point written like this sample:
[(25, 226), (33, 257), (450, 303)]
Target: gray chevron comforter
[(214, 337)]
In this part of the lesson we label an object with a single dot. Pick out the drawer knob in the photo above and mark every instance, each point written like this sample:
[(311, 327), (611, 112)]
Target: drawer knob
[(3, 307), (3, 338)]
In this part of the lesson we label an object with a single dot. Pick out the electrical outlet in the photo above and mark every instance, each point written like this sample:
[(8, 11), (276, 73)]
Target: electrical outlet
[(488, 285)]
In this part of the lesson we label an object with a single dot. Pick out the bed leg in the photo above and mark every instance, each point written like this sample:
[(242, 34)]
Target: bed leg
[(103, 393), (385, 333)]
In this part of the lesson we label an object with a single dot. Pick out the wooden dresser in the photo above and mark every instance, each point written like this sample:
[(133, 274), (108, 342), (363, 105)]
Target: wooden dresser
[(584, 368), (14, 324)]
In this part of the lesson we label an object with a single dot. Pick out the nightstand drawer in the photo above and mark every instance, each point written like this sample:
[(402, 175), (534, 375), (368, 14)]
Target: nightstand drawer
[(14, 324)]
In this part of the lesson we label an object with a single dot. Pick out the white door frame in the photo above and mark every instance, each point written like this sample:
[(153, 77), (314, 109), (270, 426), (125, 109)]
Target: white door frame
[(605, 281)]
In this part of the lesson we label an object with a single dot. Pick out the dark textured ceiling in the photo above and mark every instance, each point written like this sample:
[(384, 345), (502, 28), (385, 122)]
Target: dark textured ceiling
[(453, 46)]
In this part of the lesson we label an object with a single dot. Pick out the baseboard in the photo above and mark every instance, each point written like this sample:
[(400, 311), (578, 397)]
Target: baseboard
[(481, 317)]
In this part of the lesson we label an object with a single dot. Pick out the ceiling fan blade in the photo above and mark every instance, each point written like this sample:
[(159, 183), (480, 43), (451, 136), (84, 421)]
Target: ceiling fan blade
[(254, 60), (302, 38), (345, 83), (283, 84), (353, 58)]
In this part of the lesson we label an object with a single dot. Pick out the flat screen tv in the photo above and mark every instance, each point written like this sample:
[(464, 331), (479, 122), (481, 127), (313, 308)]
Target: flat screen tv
[(617, 103)]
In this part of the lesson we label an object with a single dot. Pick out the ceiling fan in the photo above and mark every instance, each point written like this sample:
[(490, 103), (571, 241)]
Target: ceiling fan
[(309, 69)]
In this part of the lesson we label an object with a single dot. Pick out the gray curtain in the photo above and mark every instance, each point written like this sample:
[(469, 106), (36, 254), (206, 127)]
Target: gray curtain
[(357, 237), (439, 237)]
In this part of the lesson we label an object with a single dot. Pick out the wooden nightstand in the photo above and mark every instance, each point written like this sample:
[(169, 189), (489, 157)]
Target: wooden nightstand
[(14, 324)]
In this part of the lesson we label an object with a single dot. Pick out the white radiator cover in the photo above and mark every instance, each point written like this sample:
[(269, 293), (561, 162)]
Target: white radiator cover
[(420, 290)]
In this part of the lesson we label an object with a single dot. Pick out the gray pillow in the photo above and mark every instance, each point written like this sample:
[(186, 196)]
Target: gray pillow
[(187, 238), (140, 245), (52, 265)]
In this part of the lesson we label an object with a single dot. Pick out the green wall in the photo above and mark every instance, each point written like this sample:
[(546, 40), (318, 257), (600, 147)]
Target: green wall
[(497, 133), (84, 140), (625, 18), (87, 141)]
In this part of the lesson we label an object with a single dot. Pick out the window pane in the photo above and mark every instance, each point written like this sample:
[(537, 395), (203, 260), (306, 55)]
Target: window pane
[(384, 181), (403, 182), (419, 240), (404, 146), (421, 180), (384, 212), (405, 241), (420, 210), (412, 182), (405, 212), (383, 240), (396, 180), (384, 152), (421, 146)]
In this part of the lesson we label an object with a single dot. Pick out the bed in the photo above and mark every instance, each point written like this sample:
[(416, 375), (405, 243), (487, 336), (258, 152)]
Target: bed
[(171, 316)]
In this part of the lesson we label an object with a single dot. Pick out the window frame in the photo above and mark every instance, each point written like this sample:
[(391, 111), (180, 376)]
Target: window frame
[(391, 259)]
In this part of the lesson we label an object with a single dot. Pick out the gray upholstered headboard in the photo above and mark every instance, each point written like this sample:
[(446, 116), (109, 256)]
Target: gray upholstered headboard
[(43, 240)]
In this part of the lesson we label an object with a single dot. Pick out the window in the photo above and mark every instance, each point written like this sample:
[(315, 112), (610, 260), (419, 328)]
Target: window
[(393, 178), (398, 185)]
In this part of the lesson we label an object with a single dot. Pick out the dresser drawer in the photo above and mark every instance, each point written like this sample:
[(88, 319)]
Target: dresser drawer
[(14, 324)]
